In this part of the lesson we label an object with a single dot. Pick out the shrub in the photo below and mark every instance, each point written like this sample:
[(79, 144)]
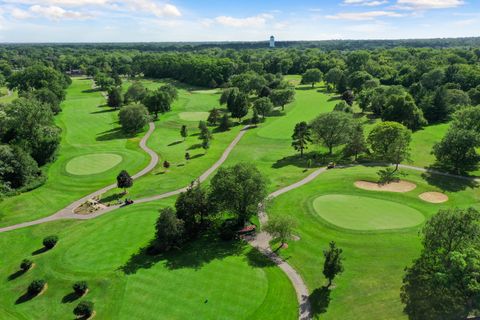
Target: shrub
[(228, 229), (36, 286), (388, 175), (26, 264), (50, 242), (80, 287), (84, 309)]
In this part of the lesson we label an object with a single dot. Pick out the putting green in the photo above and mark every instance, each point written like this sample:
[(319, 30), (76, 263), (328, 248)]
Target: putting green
[(92, 163), (364, 213), (193, 116)]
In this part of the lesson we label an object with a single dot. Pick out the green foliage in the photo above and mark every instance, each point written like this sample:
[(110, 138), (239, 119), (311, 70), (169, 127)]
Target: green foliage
[(115, 99), (133, 118), (184, 132), (84, 309), (333, 264), (225, 123), (402, 109), (158, 101), (390, 142), (193, 207), (301, 137), (135, 93), (124, 180), (332, 129), (169, 230), (387, 175), (348, 97), (282, 97), (50, 242), (239, 190), (104, 81), (36, 286), (281, 228), (356, 143), (248, 82), (255, 118), (263, 106), (443, 282), (26, 265), (312, 76), (342, 106), (80, 287), (17, 168), (213, 117)]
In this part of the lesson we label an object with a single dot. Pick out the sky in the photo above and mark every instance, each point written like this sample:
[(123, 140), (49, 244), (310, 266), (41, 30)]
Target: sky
[(227, 20)]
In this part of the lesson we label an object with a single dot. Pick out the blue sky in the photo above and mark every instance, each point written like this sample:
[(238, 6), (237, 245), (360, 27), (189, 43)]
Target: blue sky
[(218, 20)]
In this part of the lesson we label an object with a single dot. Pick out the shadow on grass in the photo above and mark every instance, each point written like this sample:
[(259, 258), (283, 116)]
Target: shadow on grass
[(448, 183), (71, 297), (113, 197), (39, 251), (317, 159), (25, 297), (319, 300), (113, 134), (92, 90), (197, 156), (16, 274), (175, 143), (193, 255), (107, 110), (258, 260), (195, 146)]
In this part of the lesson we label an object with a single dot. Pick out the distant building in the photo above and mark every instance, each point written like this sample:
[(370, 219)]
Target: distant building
[(272, 42)]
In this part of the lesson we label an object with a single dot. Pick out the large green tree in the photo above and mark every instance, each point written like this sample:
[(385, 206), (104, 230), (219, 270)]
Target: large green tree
[(333, 265), (332, 129), (312, 76), (282, 97), (301, 137), (169, 230), (444, 282), (193, 207), (238, 189), (133, 117)]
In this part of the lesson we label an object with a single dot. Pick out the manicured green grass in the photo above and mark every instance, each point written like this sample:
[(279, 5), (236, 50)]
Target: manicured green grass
[(193, 116), (88, 127), (208, 279), (374, 260), (365, 213), (92, 163)]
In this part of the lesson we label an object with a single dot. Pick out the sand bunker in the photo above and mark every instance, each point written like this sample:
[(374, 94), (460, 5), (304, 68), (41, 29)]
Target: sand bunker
[(400, 186), (434, 197)]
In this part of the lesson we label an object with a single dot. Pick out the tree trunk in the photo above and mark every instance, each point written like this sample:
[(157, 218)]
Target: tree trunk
[(329, 283), (301, 152), (330, 150), (313, 85)]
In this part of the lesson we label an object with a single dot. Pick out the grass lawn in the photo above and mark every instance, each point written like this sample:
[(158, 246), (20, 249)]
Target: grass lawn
[(374, 260), (365, 213), (88, 127), (207, 279), (92, 163)]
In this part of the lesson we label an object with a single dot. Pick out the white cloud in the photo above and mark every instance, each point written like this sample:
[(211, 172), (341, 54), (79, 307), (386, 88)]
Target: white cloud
[(159, 10), (366, 3), (254, 21), (428, 4), (57, 13), (369, 15), (20, 14)]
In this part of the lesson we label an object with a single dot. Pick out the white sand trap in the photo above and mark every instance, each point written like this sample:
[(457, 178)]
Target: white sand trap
[(434, 197), (400, 186)]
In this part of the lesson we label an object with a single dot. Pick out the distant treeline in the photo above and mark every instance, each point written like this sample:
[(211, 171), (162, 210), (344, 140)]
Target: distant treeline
[(327, 45)]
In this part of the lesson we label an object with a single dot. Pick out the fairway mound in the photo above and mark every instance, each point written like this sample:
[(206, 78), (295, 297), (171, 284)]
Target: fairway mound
[(400, 186), (434, 197), (365, 213), (193, 116), (92, 163)]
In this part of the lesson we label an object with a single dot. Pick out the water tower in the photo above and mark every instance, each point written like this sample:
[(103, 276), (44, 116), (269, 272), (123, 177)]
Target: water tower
[(272, 42)]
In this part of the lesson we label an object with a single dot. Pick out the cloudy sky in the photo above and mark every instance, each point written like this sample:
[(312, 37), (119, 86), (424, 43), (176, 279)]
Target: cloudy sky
[(220, 20)]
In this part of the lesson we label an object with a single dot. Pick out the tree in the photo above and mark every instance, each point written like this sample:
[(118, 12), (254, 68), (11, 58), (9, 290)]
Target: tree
[(281, 228), (348, 97), (282, 97), (169, 230), (80, 287), (474, 95), (238, 106), (26, 265), (36, 286), (114, 98), (48, 97), (166, 165), (225, 123), (193, 207), (356, 142), (124, 181), (342, 106), (205, 135), (263, 106), (467, 118), (187, 156), (312, 76), (255, 118), (17, 168), (333, 262), (301, 137), (390, 142), (184, 132), (238, 189), (171, 92), (456, 152), (213, 117), (135, 93), (50, 242), (332, 129), (402, 109), (84, 309), (333, 76), (442, 283), (158, 101), (133, 118)]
